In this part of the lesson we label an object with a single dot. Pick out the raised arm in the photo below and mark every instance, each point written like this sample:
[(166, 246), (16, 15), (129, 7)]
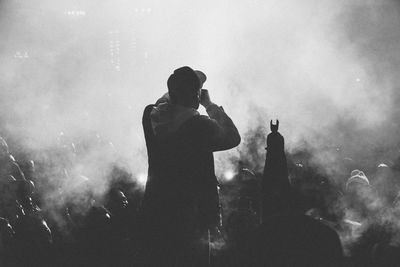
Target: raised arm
[(219, 130)]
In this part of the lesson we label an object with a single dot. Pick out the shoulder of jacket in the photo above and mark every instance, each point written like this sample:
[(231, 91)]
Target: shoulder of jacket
[(200, 123), (201, 119), (149, 107)]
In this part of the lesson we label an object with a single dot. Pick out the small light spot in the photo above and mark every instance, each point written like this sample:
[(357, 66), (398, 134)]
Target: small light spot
[(142, 179), (229, 175)]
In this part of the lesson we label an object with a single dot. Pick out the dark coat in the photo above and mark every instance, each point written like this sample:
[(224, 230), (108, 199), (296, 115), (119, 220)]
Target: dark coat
[(275, 169), (276, 188), (181, 190)]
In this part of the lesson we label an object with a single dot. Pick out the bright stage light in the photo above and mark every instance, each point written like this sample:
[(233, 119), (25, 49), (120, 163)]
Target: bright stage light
[(229, 175), (21, 55), (142, 179), (75, 13)]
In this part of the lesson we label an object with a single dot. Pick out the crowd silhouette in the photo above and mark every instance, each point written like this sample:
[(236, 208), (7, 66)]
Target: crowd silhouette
[(288, 215)]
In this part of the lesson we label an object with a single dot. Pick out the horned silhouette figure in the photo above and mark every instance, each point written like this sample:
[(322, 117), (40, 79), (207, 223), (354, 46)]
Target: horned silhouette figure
[(274, 127)]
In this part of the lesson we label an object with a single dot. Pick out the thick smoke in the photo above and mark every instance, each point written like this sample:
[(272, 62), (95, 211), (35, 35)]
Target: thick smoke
[(327, 69)]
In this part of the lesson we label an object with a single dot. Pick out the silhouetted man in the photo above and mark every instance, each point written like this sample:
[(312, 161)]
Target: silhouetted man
[(181, 198), (275, 178)]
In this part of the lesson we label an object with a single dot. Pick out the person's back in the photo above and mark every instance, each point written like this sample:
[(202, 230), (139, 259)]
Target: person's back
[(182, 179), (181, 199), (275, 169), (276, 188)]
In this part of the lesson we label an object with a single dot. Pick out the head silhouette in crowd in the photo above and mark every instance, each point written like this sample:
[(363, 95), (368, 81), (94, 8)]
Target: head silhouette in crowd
[(184, 87)]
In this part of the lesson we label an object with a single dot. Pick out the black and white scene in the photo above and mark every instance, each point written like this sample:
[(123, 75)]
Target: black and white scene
[(182, 133)]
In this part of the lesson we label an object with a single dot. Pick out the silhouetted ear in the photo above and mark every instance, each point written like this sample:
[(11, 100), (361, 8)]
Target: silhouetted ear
[(277, 124), (270, 125)]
